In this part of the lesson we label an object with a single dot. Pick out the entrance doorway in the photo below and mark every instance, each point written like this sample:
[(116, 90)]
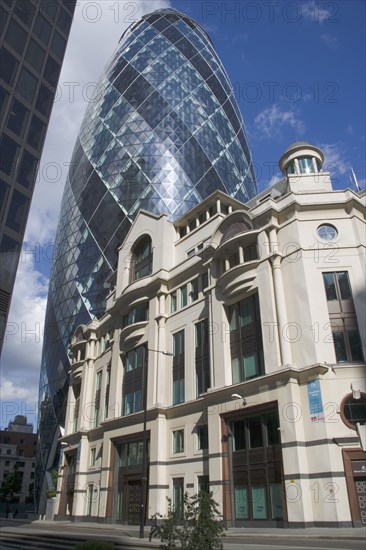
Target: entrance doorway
[(133, 504)]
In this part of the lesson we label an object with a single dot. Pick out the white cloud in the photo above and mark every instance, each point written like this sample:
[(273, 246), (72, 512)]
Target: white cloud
[(329, 40), (313, 11), (274, 179), (272, 120), (334, 158), (92, 42), (349, 130)]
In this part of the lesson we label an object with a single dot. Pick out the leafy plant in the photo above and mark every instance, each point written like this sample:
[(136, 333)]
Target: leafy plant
[(198, 526), (11, 486)]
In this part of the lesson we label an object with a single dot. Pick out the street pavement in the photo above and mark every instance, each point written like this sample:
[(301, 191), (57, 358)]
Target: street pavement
[(235, 538)]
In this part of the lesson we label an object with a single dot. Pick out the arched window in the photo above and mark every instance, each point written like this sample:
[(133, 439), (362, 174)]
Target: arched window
[(141, 261)]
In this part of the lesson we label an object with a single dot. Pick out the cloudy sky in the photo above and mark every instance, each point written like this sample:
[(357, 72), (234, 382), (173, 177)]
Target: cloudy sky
[(298, 71)]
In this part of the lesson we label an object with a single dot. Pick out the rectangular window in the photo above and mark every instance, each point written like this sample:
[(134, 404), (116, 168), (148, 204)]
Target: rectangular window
[(27, 85), (202, 357), (183, 296), (178, 367), (137, 314), (135, 365), (35, 55), (202, 437), (203, 484), (173, 302), (178, 496), (246, 343), (28, 170), (178, 441), (18, 212), (17, 118), (343, 320), (16, 37), (9, 155), (93, 456), (194, 290), (98, 385), (106, 394)]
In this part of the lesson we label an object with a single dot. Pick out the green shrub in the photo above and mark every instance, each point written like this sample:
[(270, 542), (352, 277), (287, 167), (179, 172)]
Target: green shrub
[(95, 545), (197, 527)]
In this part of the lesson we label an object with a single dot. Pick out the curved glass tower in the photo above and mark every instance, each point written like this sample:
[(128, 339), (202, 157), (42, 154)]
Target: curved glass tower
[(163, 132)]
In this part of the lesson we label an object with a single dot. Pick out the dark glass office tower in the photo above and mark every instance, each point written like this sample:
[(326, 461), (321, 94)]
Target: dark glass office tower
[(163, 132), (33, 38)]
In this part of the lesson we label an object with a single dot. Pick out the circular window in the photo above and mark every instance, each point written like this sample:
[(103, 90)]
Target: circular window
[(327, 232), (353, 410)]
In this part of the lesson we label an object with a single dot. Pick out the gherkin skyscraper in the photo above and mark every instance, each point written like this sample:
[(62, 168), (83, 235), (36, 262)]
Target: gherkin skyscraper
[(164, 131)]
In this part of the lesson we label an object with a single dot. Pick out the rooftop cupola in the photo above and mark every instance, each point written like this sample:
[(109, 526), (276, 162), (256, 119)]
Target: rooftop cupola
[(302, 164)]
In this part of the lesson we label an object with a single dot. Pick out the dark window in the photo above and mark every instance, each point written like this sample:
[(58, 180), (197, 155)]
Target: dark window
[(238, 435), (36, 133), (18, 210), (183, 296), (178, 367), (203, 484), (64, 21), (26, 85), (343, 320), (178, 441), (135, 367), (35, 55), (17, 117), (246, 340), (202, 357), (28, 170), (4, 193), (16, 37), (178, 497), (194, 290), (106, 393), (3, 101), (202, 436), (44, 100), (130, 454), (8, 65), (137, 314), (49, 8), (52, 71), (42, 29), (25, 11), (58, 45), (142, 258), (9, 155), (355, 410), (98, 385)]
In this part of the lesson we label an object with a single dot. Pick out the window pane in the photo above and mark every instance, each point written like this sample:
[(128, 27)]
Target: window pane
[(259, 502), (194, 290), (272, 425), (255, 432), (42, 29), (28, 170), (183, 296), (241, 503), (236, 370), (25, 11), (8, 65), (238, 435), (131, 360), (17, 117), (35, 55), (344, 285), (18, 211), (27, 85), (137, 401), (58, 45), (355, 345), (276, 501), (44, 100), (340, 347), (173, 302), (9, 155), (16, 37), (329, 286), (51, 71), (250, 365), (4, 193)]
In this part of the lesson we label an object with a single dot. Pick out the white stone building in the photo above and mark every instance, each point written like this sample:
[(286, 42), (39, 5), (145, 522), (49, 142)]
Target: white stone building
[(246, 326)]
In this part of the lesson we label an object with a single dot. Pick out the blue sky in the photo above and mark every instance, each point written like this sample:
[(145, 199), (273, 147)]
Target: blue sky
[(298, 69)]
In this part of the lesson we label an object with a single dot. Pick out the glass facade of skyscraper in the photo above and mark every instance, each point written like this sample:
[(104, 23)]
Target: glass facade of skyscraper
[(33, 38), (163, 132)]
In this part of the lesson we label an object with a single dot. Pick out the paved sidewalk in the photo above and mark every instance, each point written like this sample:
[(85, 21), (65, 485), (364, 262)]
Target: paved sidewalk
[(341, 533)]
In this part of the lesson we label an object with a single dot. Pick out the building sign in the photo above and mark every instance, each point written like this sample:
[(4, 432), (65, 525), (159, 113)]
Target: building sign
[(359, 467), (315, 401)]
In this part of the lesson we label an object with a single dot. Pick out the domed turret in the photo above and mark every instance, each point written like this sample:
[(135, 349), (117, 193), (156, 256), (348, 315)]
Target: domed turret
[(301, 158)]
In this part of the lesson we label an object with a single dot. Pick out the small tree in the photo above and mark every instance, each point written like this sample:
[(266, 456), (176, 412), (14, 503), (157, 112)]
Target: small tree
[(11, 486), (199, 527)]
